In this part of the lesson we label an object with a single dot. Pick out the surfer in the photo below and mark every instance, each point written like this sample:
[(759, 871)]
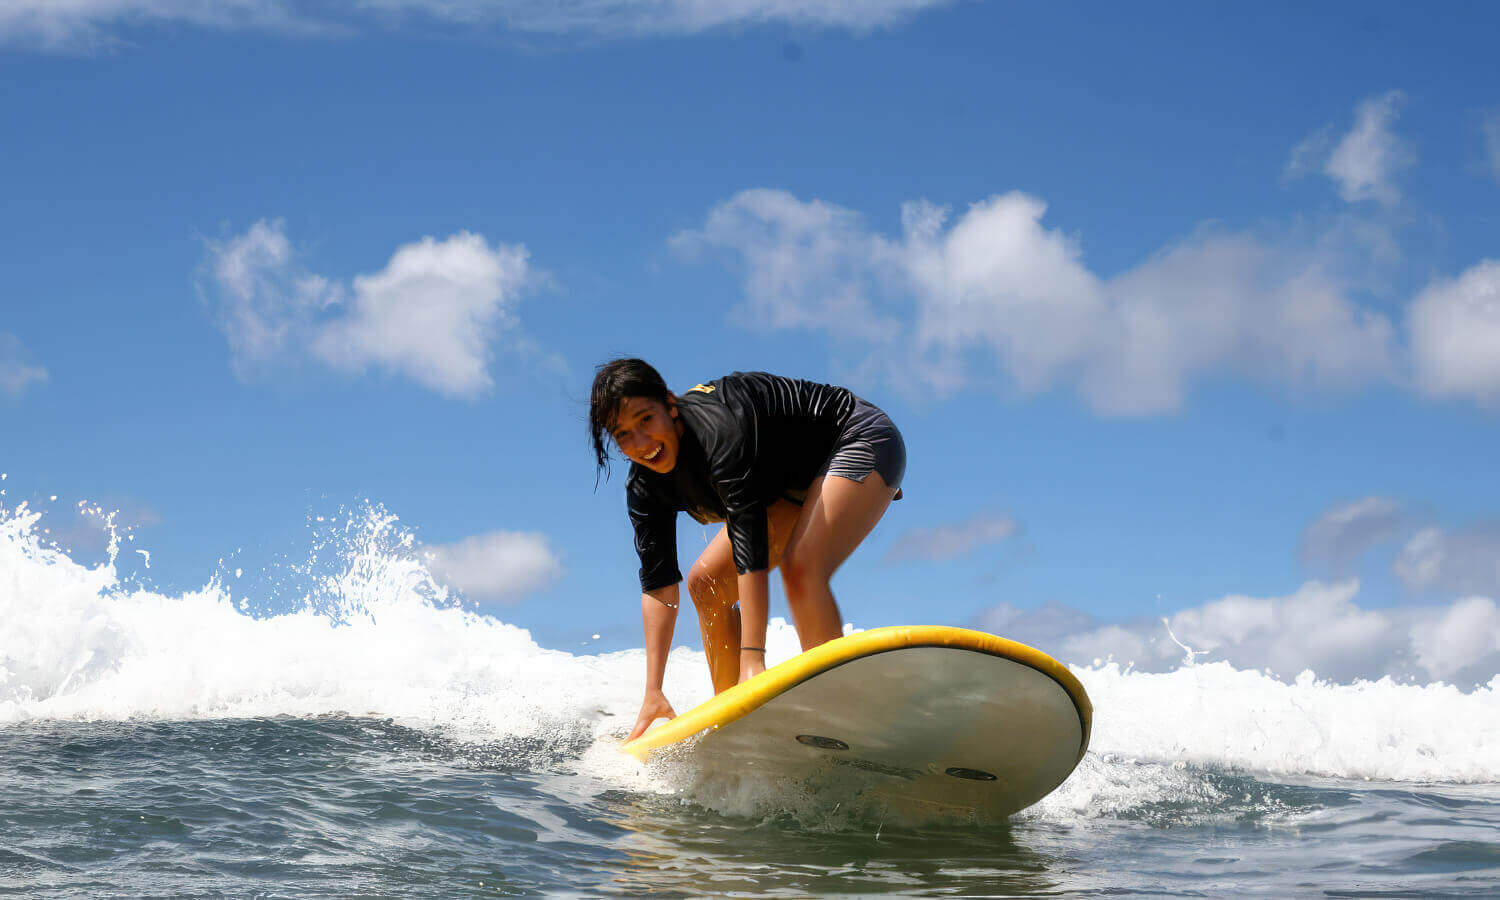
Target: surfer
[(800, 472)]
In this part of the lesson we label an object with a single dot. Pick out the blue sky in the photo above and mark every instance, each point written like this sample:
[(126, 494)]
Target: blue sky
[(1173, 304)]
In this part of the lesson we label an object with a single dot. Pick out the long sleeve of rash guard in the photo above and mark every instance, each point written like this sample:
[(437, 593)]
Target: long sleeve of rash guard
[(749, 535), (732, 464), (655, 537)]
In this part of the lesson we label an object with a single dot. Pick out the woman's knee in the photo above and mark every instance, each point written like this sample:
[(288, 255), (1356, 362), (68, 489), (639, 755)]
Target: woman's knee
[(801, 570), (705, 587)]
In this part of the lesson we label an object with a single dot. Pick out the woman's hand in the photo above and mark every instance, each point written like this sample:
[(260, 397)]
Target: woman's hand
[(659, 615), (654, 707)]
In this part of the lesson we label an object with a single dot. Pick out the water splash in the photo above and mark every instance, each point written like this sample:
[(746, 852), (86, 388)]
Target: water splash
[(365, 630)]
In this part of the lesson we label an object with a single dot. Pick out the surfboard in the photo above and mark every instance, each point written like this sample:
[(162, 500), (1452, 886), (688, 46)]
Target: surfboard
[(937, 722)]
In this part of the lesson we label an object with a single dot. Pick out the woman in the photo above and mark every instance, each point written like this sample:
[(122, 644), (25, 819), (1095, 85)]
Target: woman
[(799, 471)]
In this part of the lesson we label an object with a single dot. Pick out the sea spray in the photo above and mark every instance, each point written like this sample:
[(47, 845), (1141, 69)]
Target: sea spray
[(372, 634), (375, 636), (1212, 714)]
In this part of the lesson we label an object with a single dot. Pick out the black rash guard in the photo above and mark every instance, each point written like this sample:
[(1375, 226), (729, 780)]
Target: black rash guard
[(748, 439)]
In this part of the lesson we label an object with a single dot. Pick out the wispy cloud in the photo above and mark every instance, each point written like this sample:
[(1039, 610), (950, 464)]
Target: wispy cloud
[(83, 24), (806, 264), (951, 541), (1456, 561), (432, 314), (1490, 134), (1343, 532), (86, 526), (1455, 335), (1465, 560), (265, 301), (1489, 127), (499, 566), (17, 371), (1319, 628), (615, 17), (1365, 160), (996, 289)]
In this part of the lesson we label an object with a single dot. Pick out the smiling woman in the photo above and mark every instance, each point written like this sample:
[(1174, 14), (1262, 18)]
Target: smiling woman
[(800, 472)]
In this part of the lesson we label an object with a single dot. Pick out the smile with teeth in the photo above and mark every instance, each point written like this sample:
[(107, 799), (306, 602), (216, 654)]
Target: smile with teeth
[(651, 457)]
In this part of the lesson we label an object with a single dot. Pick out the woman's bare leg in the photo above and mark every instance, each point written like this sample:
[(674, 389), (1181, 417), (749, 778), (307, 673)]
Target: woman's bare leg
[(714, 596), (712, 584), (839, 513)]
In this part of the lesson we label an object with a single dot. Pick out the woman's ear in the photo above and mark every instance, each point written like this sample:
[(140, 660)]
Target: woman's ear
[(672, 405)]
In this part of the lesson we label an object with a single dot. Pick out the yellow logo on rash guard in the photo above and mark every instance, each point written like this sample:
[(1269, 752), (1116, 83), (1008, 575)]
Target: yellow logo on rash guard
[(702, 388)]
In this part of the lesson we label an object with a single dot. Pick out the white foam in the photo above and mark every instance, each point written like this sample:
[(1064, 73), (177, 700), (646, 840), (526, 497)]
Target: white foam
[(379, 637), (1215, 715), (1106, 786)]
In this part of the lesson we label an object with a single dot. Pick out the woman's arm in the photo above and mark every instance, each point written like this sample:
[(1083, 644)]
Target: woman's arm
[(754, 591), (659, 616)]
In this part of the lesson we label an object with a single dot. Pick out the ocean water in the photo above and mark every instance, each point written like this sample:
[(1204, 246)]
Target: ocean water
[(377, 738)]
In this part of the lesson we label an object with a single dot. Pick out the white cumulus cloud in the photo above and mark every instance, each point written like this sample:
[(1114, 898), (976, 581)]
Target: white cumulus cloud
[(432, 314), (498, 566), (1365, 160), (1461, 637), (997, 278), (17, 372), (954, 300), (1455, 335), (1232, 303), (1346, 530), (1320, 628), (81, 24), (952, 540)]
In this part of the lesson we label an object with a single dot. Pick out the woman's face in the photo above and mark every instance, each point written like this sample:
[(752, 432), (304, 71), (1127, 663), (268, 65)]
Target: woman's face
[(647, 432)]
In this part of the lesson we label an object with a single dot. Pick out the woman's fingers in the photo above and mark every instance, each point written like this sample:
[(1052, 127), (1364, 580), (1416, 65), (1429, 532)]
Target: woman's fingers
[(641, 725), (648, 715)]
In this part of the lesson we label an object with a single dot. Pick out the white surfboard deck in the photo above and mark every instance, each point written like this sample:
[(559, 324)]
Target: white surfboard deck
[(937, 722)]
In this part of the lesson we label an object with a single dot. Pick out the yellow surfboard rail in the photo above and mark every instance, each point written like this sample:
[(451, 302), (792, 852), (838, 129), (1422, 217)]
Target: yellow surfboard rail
[(749, 696)]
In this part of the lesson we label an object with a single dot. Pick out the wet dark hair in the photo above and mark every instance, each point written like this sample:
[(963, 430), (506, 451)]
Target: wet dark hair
[(613, 382)]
